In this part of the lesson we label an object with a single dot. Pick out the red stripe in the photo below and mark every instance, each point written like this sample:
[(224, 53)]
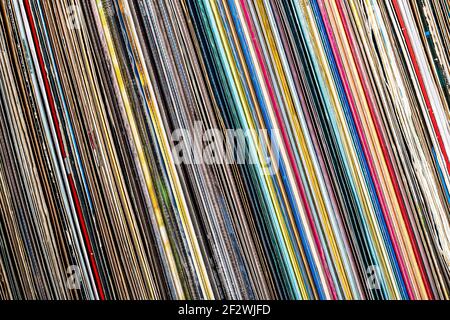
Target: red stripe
[(291, 157), (365, 146), (62, 149), (386, 156), (421, 82)]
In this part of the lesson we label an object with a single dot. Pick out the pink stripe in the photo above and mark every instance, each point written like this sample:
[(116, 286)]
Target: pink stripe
[(369, 98), (364, 145), (289, 150)]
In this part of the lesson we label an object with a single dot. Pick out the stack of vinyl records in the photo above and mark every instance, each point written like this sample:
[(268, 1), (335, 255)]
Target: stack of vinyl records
[(224, 149)]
